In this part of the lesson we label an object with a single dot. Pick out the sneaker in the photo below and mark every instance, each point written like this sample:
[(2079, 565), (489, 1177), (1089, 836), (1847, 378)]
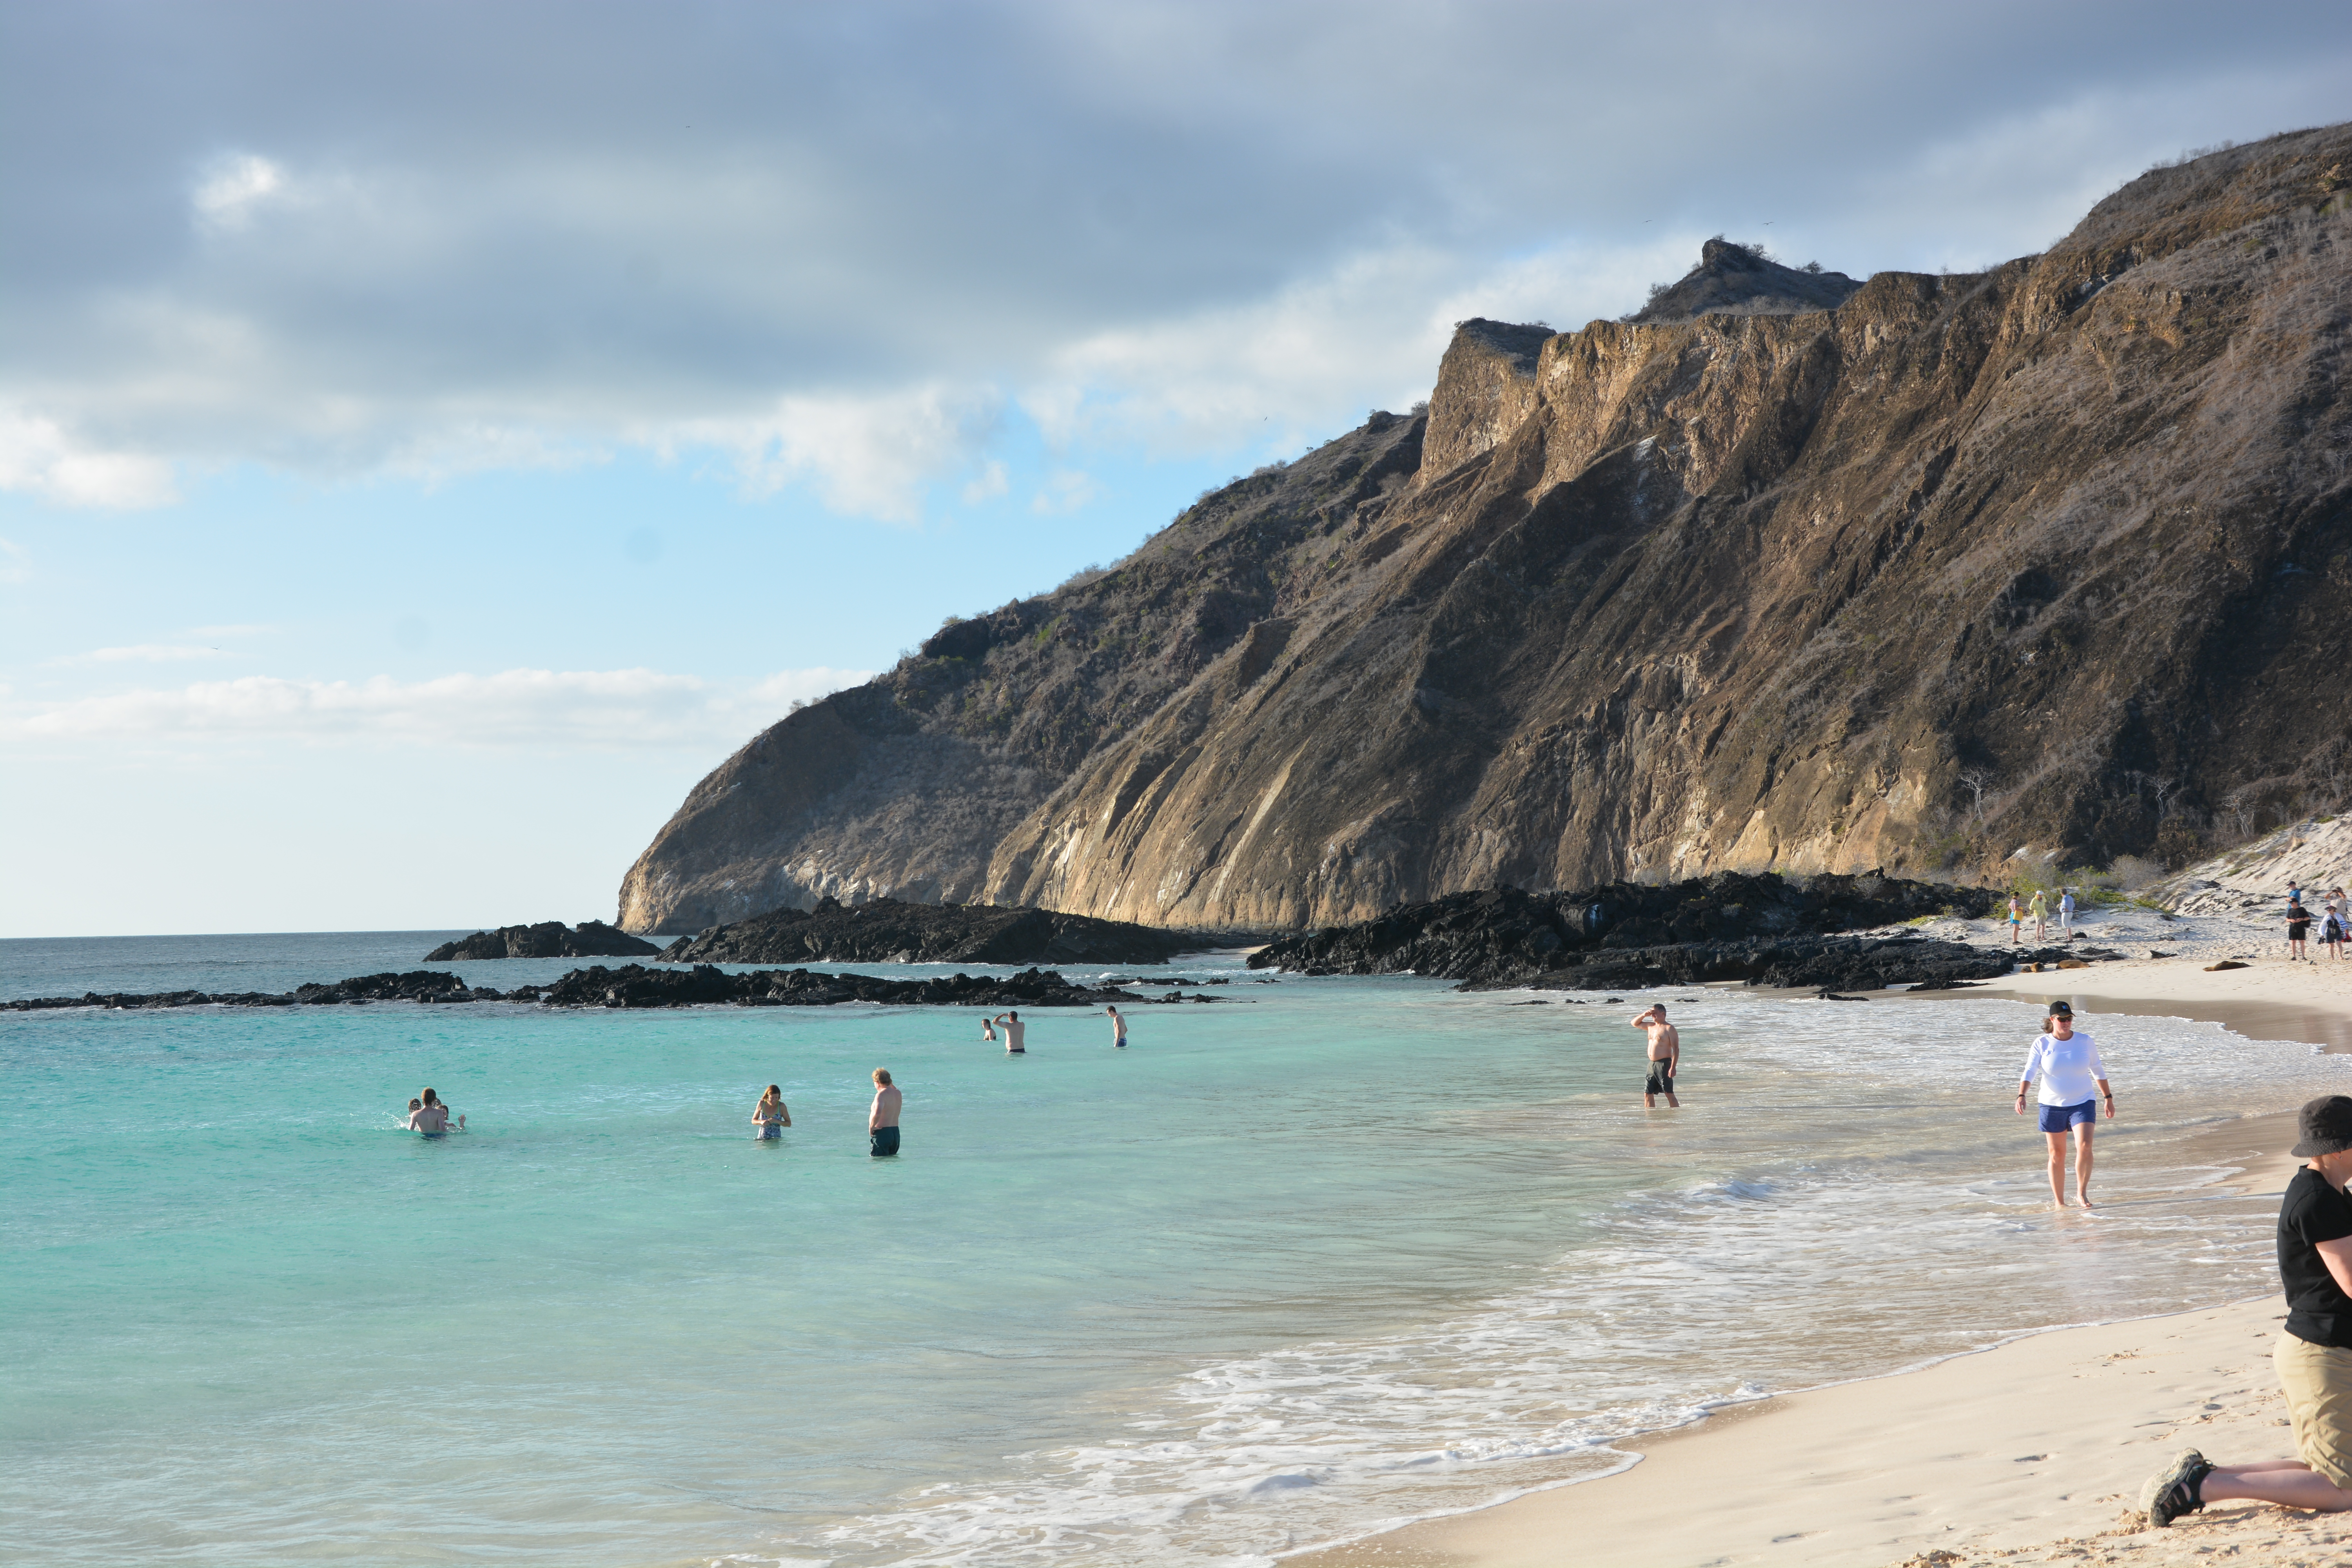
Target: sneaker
[(2173, 1490)]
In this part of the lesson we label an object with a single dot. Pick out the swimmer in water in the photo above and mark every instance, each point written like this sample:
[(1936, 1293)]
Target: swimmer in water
[(430, 1117), (770, 1115), (1013, 1030), (988, 1031)]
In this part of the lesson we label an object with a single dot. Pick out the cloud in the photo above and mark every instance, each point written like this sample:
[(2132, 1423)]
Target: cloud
[(833, 255), (12, 562), (228, 194), (1065, 490), (619, 709), (991, 482), (41, 457)]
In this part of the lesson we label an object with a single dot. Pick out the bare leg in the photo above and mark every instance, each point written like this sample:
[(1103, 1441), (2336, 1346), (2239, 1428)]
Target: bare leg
[(2285, 1481), (1672, 1103), (2083, 1163), (2057, 1169)]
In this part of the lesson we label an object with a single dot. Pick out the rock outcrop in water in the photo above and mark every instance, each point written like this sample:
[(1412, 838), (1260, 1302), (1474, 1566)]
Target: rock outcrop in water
[(1908, 578), (548, 939), (1731, 926), (634, 985), (888, 932)]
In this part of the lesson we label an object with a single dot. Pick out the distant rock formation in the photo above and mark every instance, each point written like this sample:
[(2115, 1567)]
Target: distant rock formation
[(889, 931), (634, 985), (2039, 555), (1751, 924), (548, 939), (1739, 280)]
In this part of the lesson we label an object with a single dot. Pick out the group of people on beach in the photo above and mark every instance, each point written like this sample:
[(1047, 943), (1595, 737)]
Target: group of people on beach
[(2037, 909), (2335, 926)]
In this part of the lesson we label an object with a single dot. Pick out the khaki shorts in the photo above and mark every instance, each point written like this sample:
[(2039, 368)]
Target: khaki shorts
[(2318, 1381)]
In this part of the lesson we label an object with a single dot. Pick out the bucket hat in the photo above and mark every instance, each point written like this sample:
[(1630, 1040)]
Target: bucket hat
[(2324, 1125)]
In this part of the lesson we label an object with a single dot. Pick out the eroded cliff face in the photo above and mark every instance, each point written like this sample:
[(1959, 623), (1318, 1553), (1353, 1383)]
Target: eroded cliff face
[(1746, 591)]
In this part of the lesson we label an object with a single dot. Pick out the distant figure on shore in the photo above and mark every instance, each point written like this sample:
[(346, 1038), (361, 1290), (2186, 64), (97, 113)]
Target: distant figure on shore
[(1665, 1056), (2066, 913), (1013, 1030), (2069, 1066), (882, 1120), (428, 1115), (1118, 1027), (2016, 918), (2298, 924), (771, 1116), (2342, 915), (2041, 912), (2314, 1354)]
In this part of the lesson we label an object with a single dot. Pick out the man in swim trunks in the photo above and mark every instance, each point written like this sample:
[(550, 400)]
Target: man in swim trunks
[(2313, 1354), (1665, 1056), (1118, 1027), (882, 1120), (1014, 1029), (431, 1117)]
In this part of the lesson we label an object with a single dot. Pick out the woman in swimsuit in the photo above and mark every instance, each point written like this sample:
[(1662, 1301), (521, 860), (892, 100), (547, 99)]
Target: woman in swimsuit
[(770, 1115)]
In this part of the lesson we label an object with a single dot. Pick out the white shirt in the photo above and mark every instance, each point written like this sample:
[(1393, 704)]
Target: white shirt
[(2070, 1068)]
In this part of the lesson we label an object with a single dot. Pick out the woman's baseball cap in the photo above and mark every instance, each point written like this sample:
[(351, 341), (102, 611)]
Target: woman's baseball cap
[(2059, 1010), (2325, 1125)]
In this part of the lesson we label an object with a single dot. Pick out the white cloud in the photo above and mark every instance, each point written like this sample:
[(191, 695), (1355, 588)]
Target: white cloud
[(1065, 490), (232, 188), (12, 562), (39, 456), (618, 708), (867, 456), (992, 482)]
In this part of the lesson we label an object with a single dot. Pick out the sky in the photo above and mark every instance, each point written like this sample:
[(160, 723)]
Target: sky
[(433, 437)]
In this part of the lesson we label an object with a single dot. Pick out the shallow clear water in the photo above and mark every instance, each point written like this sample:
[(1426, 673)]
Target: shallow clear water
[(1330, 1253)]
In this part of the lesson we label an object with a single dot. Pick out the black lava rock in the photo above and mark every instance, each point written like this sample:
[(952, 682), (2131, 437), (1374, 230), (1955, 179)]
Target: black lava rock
[(888, 932), (548, 939)]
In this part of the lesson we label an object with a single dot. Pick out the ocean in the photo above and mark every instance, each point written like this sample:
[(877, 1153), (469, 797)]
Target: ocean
[(1319, 1256)]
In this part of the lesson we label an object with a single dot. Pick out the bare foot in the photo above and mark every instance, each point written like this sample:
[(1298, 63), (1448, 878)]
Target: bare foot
[(2058, 1203), (2085, 1198)]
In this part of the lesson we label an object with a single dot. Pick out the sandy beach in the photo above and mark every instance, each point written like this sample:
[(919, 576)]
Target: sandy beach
[(2031, 1452)]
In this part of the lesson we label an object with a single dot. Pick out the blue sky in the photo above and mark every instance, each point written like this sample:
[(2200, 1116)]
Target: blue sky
[(432, 436)]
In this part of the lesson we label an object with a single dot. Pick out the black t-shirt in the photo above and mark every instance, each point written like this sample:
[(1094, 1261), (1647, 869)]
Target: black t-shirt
[(2317, 1308)]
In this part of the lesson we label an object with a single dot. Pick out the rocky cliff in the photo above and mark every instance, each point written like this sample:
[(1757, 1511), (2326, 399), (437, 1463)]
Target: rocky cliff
[(887, 931), (2048, 554)]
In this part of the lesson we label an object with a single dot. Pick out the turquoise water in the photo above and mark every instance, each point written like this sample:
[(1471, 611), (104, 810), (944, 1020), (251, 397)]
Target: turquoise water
[(1329, 1253)]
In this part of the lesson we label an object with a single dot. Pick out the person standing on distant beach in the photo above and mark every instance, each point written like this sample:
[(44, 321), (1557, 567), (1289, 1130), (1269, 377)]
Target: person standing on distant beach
[(2016, 918), (2298, 924), (2314, 1354), (2041, 912), (771, 1116), (1118, 1027), (2066, 913), (882, 1120), (1665, 1056), (1014, 1029), (2069, 1065)]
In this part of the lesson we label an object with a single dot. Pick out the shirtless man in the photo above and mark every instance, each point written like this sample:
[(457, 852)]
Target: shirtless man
[(882, 1120), (1118, 1027), (1665, 1056), (1014, 1029), (430, 1117)]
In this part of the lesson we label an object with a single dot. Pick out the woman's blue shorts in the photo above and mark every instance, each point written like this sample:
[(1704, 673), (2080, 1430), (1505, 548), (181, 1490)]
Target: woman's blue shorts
[(2058, 1118)]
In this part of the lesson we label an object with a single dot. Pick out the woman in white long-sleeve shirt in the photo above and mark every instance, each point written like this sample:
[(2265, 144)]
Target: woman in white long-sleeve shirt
[(2073, 1085)]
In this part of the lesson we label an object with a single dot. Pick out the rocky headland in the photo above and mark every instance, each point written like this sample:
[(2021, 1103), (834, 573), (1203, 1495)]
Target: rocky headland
[(1780, 573), (548, 939), (887, 931), (1764, 929)]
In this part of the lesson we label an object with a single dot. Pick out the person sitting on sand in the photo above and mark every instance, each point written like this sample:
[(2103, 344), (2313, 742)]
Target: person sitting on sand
[(2314, 1354), (2069, 1064), (430, 1117), (1013, 1030), (1118, 1027), (882, 1117), (771, 1116), (1665, 1056)]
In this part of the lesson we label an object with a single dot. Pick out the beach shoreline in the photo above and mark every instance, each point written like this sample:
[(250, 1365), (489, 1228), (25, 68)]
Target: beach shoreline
[(1970, 1456)]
